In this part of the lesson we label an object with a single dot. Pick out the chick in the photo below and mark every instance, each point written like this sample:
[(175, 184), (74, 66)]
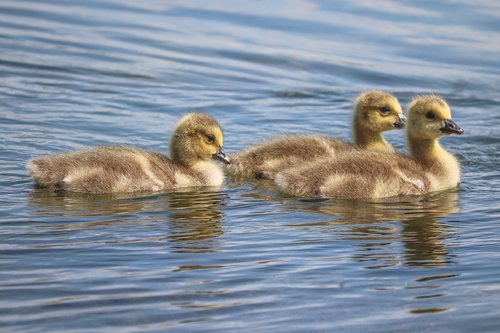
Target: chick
[(195, 143), (374, 112)]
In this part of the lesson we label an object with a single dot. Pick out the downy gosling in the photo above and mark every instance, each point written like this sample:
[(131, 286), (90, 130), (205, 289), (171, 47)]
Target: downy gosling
[(373, 175), (374, 112), (195, 143)]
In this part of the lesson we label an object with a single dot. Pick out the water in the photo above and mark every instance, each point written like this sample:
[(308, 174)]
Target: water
[(243, 258)]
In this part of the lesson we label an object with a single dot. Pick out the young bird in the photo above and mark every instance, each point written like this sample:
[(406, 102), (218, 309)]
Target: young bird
[(371, 175), (195, 143), (374, 112)]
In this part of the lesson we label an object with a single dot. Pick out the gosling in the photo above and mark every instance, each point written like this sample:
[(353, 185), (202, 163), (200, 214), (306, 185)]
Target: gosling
[(372, 175), (195, 143), (374, 112)]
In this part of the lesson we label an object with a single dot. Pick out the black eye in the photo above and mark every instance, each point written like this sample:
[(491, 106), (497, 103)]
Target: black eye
[(430, 115), (210, 138), (385, 109)]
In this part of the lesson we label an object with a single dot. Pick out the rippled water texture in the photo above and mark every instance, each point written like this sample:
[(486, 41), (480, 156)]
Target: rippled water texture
[(244, 258)]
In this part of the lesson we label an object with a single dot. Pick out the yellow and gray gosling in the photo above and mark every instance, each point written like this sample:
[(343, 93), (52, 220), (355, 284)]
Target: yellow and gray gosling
[(374, 112), (363, 174), (195, 143)]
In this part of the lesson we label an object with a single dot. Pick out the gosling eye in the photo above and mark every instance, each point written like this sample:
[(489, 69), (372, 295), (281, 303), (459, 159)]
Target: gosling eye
[(385, 110), (210, 138), (430, 115)]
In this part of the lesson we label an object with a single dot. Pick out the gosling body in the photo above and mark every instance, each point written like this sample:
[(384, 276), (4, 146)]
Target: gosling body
[(374, 113), (266, 159), (195, 143), (372, 175)]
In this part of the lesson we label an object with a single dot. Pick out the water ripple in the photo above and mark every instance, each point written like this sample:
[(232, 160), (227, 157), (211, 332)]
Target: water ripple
[(244, 257)]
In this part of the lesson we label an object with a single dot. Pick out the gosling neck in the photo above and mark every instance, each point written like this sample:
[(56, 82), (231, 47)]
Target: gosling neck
[(428, 150), (434, 158), (369, 139)]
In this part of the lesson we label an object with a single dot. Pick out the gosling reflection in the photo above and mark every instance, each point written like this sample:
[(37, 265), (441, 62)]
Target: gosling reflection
[(50, 203), (195, 220), (424, 236), (192, 220), (421, 233)]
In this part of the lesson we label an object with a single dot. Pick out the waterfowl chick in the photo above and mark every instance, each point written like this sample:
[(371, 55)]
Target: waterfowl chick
[(195, 143), (374, 112), (370, 175)]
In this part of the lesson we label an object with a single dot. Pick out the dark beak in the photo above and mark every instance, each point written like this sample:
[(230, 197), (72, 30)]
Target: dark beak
[(450, 127), (400, 123), (221, 156)]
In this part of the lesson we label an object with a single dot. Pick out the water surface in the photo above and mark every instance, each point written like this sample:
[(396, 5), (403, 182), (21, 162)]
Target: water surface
[(244, 257)]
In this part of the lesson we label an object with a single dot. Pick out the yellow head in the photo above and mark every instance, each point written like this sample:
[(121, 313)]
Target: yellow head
[(429, 117), (377, 111), (196, 137)]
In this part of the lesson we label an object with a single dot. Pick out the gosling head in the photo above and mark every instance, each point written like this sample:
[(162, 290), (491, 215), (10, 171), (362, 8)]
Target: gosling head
[(429, 117), (377, 111), (197, 137)]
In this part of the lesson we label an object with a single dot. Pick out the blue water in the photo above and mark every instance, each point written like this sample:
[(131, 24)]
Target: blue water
[(244, 258)]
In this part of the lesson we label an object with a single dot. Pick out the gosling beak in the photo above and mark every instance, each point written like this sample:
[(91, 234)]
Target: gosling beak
[(400, 123), (221, 156), (450, 127)]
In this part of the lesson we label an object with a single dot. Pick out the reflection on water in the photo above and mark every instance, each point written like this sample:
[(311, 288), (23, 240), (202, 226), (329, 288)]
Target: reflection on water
[(378, 226), (424, 236), (412, 232), (50, 203), (195, 220), (193, 217), (379, 229)]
